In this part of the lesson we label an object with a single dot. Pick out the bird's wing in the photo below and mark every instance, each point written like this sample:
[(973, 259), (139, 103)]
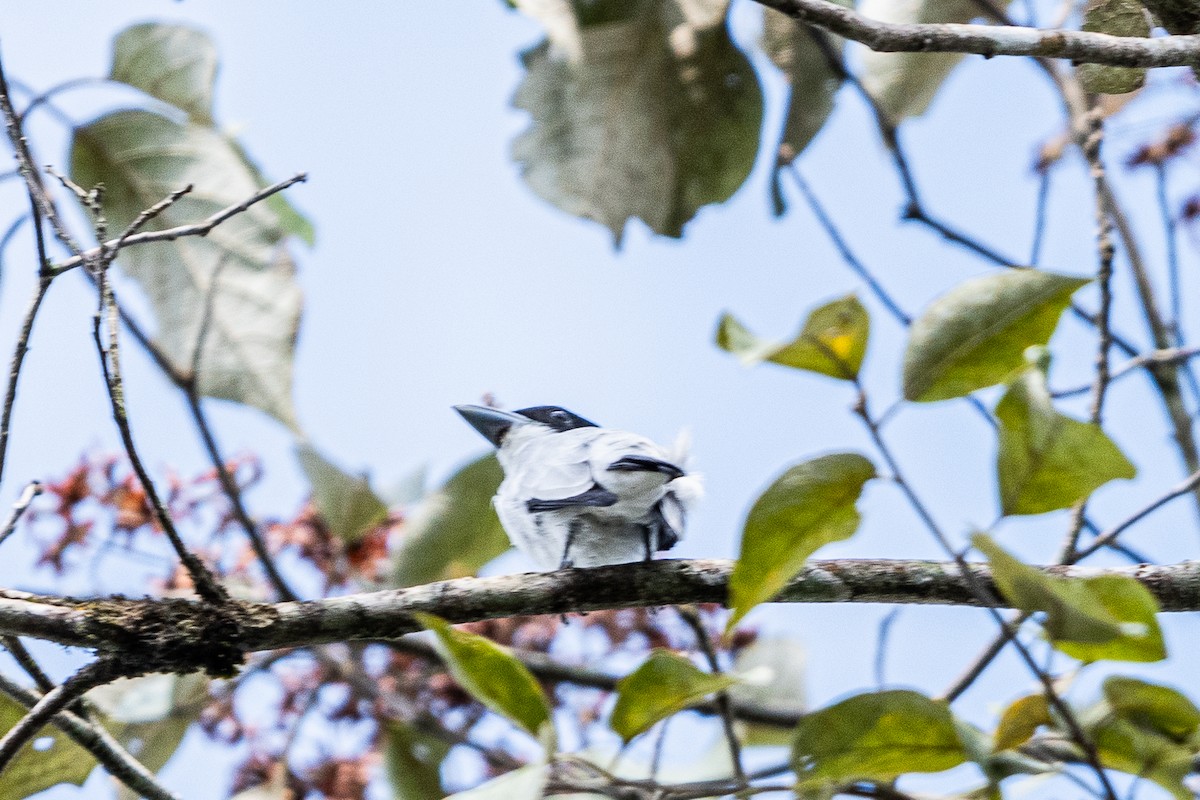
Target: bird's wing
[(607, 447), (551, 467)]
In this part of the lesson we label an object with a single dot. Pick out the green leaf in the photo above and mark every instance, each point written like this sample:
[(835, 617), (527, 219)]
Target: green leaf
[(832, 341), (809, 505), (814, 82), (237, 285), (646, 111), (491, 675), (1046, 460), (1116, 18), (875, 737), (1123, 746), (1108, 617), (346, 502), (663, 685), (976, 334), (173, 63), (414, 761), (1153, 707), (50, 758), (455, 530), (771, 674), (1020, 721), (150, 715)]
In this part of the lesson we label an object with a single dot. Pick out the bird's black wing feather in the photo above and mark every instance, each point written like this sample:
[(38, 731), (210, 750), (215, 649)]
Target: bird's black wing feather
[(595, 496)]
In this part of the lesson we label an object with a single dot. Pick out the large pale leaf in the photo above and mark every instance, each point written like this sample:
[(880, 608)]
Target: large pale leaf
[(173, 63), (1047, 460), (346, 502), (49, 759), (813, 80), (809, 505), (414, 761), (832, 341), (665, 684), (238, 279), (904, 83), (1116, 18), (976, 334), (875, 737), (772, 677), (1105, 617), (455, 530), (150, 715), (491, 675), (643, 110)]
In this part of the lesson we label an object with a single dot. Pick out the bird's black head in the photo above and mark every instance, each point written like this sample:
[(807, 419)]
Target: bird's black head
[(557, 418)]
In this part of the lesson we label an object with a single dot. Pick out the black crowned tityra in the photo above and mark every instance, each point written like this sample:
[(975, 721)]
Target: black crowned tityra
[(576, 494)]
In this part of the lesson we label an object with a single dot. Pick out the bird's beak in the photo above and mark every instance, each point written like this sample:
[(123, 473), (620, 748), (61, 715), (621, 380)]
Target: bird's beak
[(492, 423)]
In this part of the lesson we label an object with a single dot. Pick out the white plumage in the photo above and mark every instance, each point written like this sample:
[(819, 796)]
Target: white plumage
[(575, 494)]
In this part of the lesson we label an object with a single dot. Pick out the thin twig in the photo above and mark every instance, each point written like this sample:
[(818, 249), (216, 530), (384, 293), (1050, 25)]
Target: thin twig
[(171, 234), (51, 703), (32, 490), (1039, 216), (692, 617), (100, 743), (1187, 486), (1173, 355), (1175, 323), (881, 646)]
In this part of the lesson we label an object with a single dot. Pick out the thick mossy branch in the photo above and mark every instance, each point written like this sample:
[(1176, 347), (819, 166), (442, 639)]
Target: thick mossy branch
[(182, 635)]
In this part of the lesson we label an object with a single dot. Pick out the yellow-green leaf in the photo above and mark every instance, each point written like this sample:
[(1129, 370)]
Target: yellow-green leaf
[(414, 761), (455, 530), (346, 502), (663, 685), (809, 505), (48, 759), (1020, 721), (976, 334), (491, 675), (1116, 18), (1153, 707), (875, 737), (1108, 617), (1046, 460), (832, 341)]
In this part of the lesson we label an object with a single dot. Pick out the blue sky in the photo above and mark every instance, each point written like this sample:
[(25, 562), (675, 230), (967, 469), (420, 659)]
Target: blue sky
[(438, 277)]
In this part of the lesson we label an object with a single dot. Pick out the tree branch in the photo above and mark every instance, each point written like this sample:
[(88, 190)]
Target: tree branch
[(993, 40)]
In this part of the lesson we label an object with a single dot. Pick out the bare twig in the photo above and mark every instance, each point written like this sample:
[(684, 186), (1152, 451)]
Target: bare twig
[(1187, 486), (1173, 355), (692, 617), (31, 491), (993, 40), (171, 234), (881, 646), (100, 743), (51, 703)]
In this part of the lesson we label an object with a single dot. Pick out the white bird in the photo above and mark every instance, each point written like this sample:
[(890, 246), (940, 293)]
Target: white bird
[(578, 495)]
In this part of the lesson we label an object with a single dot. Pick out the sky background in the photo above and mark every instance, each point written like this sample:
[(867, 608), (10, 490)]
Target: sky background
[(438, 277)]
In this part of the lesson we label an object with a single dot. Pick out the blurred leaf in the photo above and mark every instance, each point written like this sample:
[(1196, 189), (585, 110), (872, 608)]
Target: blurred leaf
[(875, 737), (455, 530), (1123, 746), (173, 63), (1046, 460), (50, 758), (151, 715), (832, 341), (255, 305), (1152, 707), (638, 110), (347, 503), (409, 489), (976, 334), (1116, 18), (809, 505), (1020, 721), (491, 675), (1106, 617), (904, 84), (663, 685), (814, 81), (771, 674), (523, 783), (414, 761)]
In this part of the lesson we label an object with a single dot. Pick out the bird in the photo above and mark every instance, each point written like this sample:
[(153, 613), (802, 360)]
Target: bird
[(575, 494)]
